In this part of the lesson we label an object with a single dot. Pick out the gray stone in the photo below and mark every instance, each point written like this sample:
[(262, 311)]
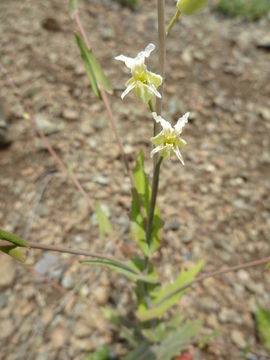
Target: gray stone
[(59, 337), (86, 127), (238, 339), (3, 300), (100, 179), (67, 282), (264, 42), (70, 114), (173, 225), (240, 204), (45, 264), (256, 288), (107, 33), (229, 316), (209, 304), (48, 127), (6, 328), (81, 330), (265, 113), (101, 295), (187, 237)]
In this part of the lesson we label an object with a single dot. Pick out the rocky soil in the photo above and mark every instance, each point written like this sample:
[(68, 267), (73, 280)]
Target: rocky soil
[(216, 207)]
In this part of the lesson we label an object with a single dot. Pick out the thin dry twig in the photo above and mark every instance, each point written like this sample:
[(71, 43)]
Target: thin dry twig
[(67, 250)]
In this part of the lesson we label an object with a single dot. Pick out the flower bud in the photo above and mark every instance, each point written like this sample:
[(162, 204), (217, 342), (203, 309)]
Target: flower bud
[(189, 7)]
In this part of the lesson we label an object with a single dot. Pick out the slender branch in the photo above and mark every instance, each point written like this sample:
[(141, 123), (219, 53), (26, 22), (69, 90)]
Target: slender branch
[(76, 17), (215, 274), (174, 19), (67, 250), (28, 114)]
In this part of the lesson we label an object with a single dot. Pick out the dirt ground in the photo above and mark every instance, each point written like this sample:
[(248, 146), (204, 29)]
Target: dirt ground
[(216, 207)]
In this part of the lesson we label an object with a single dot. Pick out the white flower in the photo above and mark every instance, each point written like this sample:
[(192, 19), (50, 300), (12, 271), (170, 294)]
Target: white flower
[(168, 141), (143, 82)]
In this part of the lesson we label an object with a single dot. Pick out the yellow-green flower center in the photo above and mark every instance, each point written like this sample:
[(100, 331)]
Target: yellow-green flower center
[(170, 138), (140, 73)]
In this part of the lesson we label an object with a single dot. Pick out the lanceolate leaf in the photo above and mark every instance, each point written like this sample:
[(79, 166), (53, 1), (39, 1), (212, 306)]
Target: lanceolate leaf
[(177, 341), (128, 269), (105, 227), (138, 232), (88, 66), (4, 235), (143, 352), (102, 80), (169, 295), (263, 318), (94, 71)]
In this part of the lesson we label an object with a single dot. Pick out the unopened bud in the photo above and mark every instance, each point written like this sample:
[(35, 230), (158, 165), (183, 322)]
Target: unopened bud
[(190, 7)]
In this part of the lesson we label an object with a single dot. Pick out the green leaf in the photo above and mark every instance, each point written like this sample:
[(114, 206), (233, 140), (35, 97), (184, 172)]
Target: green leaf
[(101, 353), (12, 251), (73, 5), (85, 57), (129, 269), (176, 342), (101, 78), (138, 231), (127, 330), (105, 227), (4, 235), (268, 266), (263, 318), (169, 295), (143, 352), (93, 69)]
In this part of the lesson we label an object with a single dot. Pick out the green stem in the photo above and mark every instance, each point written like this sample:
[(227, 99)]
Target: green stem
[(150, 216), (151, 106), (162, 58), (173, 21)]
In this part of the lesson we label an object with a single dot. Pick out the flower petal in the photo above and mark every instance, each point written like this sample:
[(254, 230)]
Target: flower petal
[(157, 149), (181, 123), (128, 89), (179, 155), (164, 123), (158, 139), (139, 59), (154, 90), (127, 60), (142, 92), (156, 117), (149, 48), (154, 79)]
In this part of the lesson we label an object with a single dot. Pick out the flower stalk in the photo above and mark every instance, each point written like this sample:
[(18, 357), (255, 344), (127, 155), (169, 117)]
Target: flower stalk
[(173, 21), (157, 160)]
